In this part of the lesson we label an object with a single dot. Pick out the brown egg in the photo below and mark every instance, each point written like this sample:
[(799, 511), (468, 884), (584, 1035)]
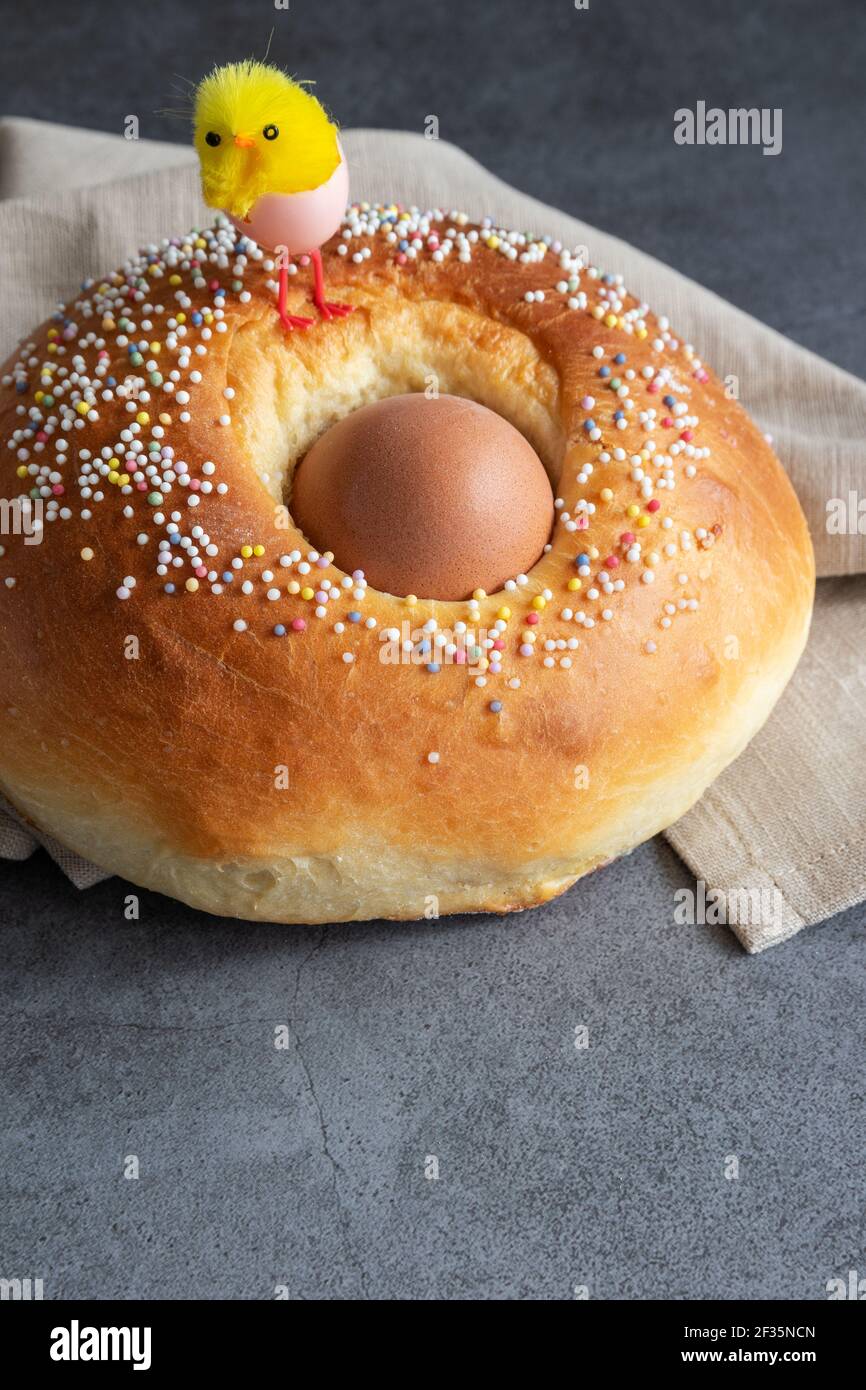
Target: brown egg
[(429, 497)]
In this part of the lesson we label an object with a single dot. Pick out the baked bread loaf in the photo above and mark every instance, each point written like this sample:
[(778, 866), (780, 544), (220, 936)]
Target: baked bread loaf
[(194, 698)]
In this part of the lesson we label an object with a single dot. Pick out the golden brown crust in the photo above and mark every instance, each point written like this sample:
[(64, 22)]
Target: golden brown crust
[(266, 776)]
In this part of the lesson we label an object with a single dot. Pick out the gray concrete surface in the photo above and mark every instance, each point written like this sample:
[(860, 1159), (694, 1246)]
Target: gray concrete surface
[(304, 1166)]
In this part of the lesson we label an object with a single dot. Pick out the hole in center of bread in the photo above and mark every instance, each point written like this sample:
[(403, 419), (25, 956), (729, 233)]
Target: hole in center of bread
[(290, 390)]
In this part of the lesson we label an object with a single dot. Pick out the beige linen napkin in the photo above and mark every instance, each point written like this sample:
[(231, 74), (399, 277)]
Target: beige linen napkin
[(788, 819)]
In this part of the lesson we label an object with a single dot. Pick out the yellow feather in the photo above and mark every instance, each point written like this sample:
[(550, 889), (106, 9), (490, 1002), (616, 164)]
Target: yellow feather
[(245, 99)]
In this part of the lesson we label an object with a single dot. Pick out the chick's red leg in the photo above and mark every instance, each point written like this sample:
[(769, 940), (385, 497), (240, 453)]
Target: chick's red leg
[(327, 308), (289, 321)]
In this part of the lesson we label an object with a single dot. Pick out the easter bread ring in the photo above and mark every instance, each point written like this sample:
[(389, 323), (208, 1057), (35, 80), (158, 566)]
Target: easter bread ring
[(194, 698)]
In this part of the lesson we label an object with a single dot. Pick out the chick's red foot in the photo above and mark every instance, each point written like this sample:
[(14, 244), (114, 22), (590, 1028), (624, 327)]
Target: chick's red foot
[(329, 310), (292, 321), (289, 321), (326, 307)]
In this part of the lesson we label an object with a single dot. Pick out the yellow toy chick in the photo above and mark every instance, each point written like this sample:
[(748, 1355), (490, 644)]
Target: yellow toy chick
[(271, 159)]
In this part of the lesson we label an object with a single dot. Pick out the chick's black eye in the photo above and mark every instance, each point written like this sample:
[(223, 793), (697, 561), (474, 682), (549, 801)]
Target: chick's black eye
[(270, 132), (212, 138)]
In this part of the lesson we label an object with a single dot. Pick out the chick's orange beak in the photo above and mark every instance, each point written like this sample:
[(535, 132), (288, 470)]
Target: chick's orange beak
[(245, 142)]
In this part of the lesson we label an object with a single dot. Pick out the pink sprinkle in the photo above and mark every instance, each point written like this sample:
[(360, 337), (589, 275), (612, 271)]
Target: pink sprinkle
[(142, 485), (322, 596), (200, 571), (532, 619), (299, 625), (588, 402), (667, 422), (214, 284), (41, 436), (687, 435), (627, 538), (653, 388), (401, 258), (654, 505), (194, 484), (322, 562), (498, 645), (58, 489), (612, 562), (460, 656), (582, 522), (303, 260)]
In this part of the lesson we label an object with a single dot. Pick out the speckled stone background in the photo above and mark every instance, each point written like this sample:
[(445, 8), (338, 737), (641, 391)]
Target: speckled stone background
[(305, 1165)]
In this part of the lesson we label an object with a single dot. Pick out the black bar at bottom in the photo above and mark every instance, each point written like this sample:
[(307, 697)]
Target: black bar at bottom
[(158, 1338)]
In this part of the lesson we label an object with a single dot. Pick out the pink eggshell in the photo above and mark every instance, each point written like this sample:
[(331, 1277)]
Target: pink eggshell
[(299, 221)]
